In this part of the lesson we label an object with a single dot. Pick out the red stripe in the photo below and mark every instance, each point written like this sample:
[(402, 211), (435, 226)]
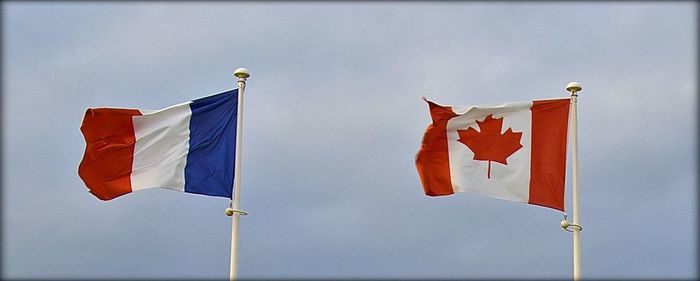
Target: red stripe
[(109, 151), (432, 160), (548, 157)]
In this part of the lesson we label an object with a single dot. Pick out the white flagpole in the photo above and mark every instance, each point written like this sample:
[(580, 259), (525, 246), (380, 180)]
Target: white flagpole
[(574, 88), (242, 75)]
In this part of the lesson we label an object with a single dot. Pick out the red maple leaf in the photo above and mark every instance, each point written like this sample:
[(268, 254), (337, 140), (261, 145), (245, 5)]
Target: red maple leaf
[(490, 144)]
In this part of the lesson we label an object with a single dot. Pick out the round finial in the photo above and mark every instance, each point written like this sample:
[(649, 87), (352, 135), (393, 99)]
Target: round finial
[(564, 224), (573, 87), (241, 73), (229, 212)]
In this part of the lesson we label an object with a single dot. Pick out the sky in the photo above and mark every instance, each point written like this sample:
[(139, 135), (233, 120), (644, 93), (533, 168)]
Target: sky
[(332, 120)]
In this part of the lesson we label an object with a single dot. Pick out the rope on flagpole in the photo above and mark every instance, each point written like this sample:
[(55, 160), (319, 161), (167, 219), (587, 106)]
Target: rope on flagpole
[(574, 88), (233, 209), (565, 224), (230, 210)]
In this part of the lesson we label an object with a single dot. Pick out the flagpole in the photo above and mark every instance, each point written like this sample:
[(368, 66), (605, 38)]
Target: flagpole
[(574, 88), (234, 210)]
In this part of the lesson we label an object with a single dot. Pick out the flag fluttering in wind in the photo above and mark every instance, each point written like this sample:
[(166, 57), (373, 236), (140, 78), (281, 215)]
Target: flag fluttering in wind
[(186, 147), (513, 151)]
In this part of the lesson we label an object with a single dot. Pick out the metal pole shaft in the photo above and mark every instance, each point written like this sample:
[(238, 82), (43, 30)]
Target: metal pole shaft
[(237, 181), (574, 173)]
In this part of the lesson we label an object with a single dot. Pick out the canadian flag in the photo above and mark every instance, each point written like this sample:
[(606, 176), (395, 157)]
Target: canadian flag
[(514, 151)]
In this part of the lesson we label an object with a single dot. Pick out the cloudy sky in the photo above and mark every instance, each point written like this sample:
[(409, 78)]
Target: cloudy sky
[(333, 120)]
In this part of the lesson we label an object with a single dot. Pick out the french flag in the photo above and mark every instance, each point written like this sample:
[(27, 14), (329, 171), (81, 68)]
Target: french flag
[(186, 147)]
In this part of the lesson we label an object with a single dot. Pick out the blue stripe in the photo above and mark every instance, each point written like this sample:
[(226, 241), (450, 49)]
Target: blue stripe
[(210, 161)]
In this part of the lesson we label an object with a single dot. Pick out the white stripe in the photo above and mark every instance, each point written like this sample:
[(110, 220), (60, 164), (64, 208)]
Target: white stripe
[(160, 152), (510, 182)]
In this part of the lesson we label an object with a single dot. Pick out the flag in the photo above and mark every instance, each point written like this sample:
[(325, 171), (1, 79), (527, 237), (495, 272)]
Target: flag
[(186, 147), (514, 151)]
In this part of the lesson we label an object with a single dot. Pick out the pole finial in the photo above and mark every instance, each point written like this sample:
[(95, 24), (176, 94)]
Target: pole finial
[(241, 73), (573, 87)]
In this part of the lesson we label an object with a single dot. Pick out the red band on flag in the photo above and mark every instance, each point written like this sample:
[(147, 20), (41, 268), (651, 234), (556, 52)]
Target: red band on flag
[(109, 151), (433, 160), (548, 157)]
